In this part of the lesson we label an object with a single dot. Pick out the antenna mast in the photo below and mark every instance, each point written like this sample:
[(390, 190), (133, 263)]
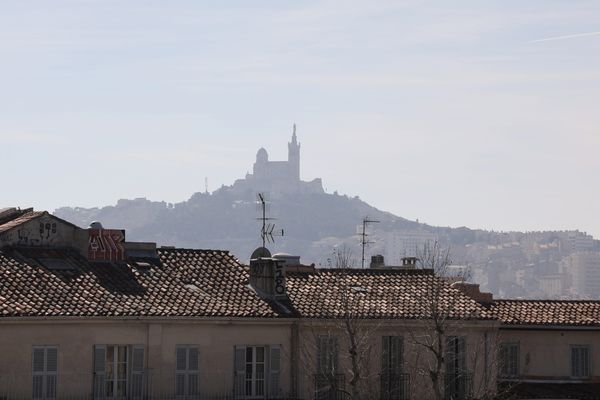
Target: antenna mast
[(266, 232), (363, 237)]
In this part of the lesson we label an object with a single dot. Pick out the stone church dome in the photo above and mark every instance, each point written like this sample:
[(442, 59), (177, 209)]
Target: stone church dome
[(262, 155)]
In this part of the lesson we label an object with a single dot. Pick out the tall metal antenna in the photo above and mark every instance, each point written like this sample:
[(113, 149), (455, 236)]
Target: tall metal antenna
[(363, 236), (206, 184), (266, 232)]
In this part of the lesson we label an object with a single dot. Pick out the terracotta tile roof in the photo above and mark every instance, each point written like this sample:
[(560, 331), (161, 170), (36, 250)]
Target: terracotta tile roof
[(199, 283), (548, 312), (183, 283), (376, 294), (20, 220)]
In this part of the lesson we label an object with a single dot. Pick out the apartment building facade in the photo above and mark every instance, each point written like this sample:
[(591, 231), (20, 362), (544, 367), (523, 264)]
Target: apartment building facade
[(86, 314)]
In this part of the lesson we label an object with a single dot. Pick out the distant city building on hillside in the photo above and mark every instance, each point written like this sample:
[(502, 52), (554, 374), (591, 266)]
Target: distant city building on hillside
[(399, 244), (277, 176), (584, 270), (580, 241)]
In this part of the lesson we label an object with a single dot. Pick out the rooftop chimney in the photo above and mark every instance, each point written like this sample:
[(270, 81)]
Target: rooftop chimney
[(377, 261), (409, 262), (472, 290), (267, 274)]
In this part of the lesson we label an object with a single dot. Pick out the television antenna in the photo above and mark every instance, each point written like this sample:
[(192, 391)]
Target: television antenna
[(267, 231), (363, 236)]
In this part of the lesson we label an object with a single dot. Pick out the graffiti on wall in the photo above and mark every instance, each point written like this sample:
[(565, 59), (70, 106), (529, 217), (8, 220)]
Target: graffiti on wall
[(106, 245), (40, 232)]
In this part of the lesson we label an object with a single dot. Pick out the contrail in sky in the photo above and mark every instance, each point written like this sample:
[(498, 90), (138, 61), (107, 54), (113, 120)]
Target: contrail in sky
[(565, 37)]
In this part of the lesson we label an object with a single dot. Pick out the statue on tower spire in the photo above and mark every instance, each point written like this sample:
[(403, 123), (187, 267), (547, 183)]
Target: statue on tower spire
[(294, 156), (294, 140)]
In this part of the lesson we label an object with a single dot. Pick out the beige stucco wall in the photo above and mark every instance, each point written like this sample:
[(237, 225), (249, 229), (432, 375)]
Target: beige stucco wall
[(215, 339), (415, 358), (75, 340), (545, 354)]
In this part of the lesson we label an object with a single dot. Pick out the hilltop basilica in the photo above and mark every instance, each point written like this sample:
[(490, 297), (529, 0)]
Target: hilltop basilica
[(277, 176)]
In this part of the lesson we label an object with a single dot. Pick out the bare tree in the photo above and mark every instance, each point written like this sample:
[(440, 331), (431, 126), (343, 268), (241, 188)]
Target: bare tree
[(343, 344), (438, 336)]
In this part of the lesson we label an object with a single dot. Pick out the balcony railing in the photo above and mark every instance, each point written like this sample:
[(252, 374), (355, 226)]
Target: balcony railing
[(395, 386), (458, 386), (149, 385)]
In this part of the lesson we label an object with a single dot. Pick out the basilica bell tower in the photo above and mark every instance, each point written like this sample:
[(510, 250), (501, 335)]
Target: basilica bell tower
[(294, 156)]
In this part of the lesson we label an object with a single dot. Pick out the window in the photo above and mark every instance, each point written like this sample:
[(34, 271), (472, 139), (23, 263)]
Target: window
[(328, 381), (257, 370), (394, 384), (580, 361), (44, 371), (509, 360), (186, 374), (118, 371), (457, 380)]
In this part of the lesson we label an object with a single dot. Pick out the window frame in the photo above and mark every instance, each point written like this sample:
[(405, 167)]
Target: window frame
[(503, 370), (271, 368), (187, 372), (587, 367), (102, 377), (44, 373)]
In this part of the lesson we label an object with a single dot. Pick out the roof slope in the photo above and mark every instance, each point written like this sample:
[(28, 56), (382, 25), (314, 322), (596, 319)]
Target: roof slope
[(183, 283), (21, 219), (548, 312), (377, 294)]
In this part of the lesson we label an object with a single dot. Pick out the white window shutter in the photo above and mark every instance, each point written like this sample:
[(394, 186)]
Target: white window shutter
[(274, 370), (39, 360), (181, 358), (51, 359), (193, 368), (181, 362), (396, 350), (44, 372), (51, 372), (239, 372), (193, 359), (137, 372), (99, 371)]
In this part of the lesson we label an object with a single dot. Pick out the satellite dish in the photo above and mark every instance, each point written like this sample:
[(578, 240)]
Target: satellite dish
[(95, 225), (261, 252)]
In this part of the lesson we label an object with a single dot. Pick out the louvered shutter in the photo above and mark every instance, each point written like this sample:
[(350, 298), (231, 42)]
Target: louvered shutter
[(193, 371), (274, 370), (51, 372), (503, 355), (462, 354), (38, 369), (44, 372), (397, 354), (335, 350), (451, 355), (514, 360), (99, 371), (385, 367), (322, 354), (239, 372), (180, 370), (137, 372), (585, 357), (396, 363), (580, 362)]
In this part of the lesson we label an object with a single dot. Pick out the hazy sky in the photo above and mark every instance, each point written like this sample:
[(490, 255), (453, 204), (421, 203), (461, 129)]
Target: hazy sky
[(479, 113)]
